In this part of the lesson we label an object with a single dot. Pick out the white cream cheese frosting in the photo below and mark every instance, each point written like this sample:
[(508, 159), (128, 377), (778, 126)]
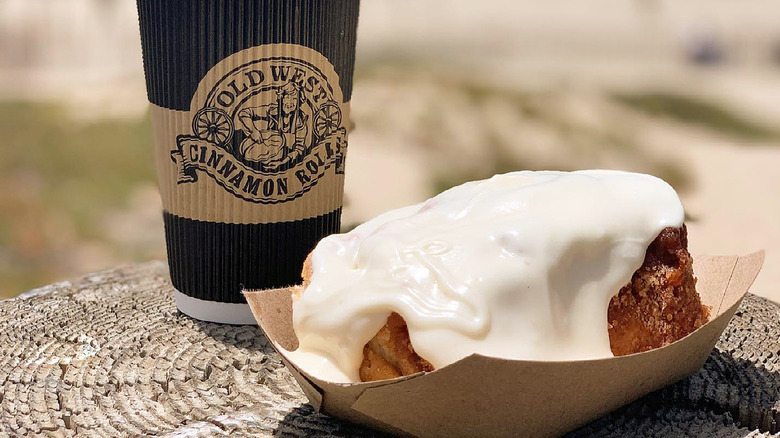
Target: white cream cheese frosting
[(519, 266)]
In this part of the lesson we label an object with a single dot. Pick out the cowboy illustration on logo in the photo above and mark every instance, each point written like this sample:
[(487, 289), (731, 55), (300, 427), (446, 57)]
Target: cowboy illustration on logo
[(266, 132)]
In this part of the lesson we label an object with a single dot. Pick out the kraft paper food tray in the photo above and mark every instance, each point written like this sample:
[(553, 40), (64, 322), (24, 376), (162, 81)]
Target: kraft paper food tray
[(486, 396)]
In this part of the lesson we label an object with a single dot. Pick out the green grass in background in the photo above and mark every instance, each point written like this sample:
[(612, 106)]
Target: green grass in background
[(534, 106), (697, 112), (57, 175)]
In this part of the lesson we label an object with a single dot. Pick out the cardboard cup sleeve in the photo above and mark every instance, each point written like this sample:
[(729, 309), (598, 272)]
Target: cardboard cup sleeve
[(249, 107)]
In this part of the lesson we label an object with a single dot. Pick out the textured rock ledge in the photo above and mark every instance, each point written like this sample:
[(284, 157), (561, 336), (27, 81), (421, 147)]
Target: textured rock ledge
[(109, 355)]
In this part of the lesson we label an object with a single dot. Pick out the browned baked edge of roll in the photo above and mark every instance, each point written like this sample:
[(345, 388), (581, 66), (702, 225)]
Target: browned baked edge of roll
[(660, 305)]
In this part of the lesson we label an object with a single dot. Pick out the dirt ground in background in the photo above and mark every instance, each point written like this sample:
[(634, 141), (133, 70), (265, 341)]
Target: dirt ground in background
[(443, 95)]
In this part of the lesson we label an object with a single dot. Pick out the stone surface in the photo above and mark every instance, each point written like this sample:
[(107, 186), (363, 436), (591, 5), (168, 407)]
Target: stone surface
[(109, 355)]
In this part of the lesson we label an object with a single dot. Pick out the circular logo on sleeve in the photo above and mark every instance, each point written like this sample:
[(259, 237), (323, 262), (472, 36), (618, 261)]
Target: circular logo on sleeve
[(267, 125)]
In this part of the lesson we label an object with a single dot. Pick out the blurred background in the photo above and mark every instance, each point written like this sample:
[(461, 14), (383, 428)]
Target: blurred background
[(445, 91)]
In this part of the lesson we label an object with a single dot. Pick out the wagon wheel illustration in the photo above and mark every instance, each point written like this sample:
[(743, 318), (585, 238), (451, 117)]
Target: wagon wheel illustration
[(213, 125), (327, 119)]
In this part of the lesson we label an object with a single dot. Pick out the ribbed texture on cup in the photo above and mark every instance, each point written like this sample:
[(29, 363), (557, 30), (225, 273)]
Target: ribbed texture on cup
[(183, 39), (212, 261)]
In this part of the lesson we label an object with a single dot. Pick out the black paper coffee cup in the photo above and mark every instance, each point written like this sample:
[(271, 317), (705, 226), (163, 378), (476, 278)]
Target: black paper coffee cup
[(249, 107)]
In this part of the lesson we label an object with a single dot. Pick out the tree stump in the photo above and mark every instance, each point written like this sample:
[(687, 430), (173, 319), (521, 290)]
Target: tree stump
[(109, 355)]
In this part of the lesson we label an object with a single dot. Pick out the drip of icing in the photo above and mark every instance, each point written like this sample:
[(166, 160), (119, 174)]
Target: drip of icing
[(518, 266)]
